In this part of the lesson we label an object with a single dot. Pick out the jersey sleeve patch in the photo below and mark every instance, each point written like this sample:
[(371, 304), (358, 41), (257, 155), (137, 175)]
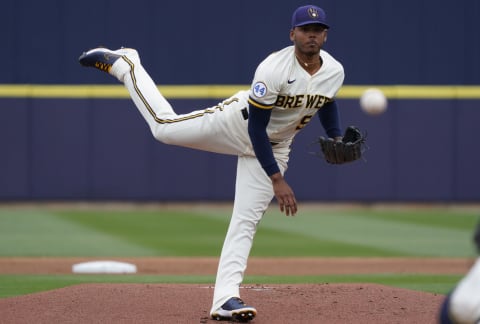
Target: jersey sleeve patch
[(259, 89)]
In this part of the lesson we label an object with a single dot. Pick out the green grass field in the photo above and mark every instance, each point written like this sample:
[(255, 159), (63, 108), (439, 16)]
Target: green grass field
[(196, 230)]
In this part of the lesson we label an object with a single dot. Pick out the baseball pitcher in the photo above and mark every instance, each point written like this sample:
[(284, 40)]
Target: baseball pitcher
[(288, 89)]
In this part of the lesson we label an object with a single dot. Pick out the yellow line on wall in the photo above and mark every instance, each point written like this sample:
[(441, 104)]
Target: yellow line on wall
[(416, 92), (224, 91), (114, 91)]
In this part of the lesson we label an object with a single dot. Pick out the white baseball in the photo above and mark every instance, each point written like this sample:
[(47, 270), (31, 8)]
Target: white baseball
[(373, 101)]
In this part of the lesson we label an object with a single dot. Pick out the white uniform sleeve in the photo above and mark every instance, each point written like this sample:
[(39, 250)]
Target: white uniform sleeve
[(266, 84)]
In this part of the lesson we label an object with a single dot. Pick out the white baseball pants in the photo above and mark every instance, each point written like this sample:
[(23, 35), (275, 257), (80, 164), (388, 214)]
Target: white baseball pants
[(220, 129)]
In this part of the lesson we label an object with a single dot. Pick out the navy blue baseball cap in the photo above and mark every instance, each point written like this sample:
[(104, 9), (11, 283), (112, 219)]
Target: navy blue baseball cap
[(309, 14)]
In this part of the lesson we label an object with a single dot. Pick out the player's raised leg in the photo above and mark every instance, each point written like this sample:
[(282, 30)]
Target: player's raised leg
[(124, 64), (209, 129)]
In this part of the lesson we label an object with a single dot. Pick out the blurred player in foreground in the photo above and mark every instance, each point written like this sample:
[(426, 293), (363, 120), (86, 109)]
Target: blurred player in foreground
[(289, 87), (462, 305)]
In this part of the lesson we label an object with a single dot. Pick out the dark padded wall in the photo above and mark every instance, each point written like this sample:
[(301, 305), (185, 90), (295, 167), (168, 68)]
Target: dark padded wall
[(420, 150), (97, 149), (217, 42)]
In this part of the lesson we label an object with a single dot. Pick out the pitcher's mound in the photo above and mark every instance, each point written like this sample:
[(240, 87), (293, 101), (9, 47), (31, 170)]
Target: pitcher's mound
[(170, 303)]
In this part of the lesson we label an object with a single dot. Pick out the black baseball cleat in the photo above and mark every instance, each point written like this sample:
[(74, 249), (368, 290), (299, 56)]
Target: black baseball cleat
[(234, 309), (99, 58)]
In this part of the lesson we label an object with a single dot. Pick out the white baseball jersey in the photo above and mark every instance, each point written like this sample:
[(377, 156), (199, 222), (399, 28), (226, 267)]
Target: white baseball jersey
[(281, 84)]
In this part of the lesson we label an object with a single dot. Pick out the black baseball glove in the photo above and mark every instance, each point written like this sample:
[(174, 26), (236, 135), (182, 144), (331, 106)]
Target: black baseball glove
[(349, 149)]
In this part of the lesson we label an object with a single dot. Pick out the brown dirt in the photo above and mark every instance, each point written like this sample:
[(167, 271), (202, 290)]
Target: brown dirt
[(172, 303), (256, 266)]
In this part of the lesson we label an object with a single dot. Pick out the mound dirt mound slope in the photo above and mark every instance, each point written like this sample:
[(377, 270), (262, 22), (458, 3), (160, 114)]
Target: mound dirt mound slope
[(170, 303)]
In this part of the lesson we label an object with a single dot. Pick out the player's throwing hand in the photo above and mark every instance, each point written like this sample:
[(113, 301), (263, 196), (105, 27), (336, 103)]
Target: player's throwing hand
[(284, 194)]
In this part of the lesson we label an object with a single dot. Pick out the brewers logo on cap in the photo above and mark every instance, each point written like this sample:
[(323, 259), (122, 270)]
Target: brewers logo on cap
[(312, 12)]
